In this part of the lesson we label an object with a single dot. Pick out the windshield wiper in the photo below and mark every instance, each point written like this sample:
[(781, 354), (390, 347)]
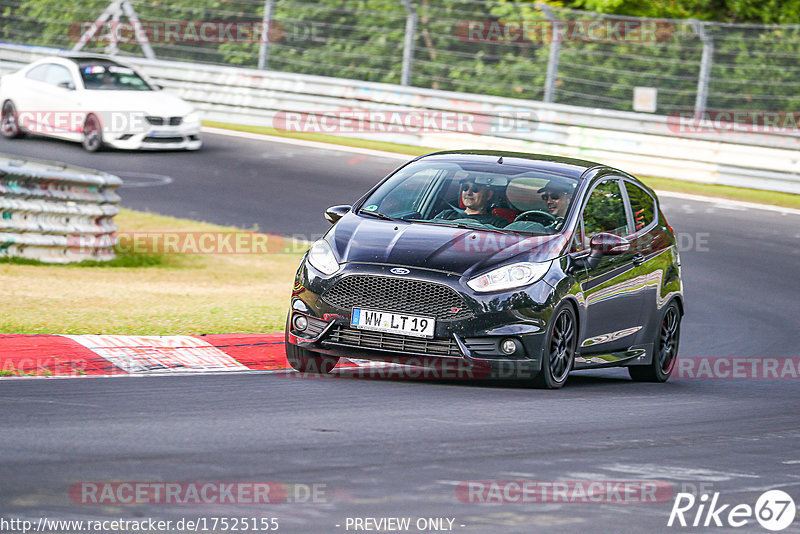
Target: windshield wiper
[(463, 226), (379, 215)]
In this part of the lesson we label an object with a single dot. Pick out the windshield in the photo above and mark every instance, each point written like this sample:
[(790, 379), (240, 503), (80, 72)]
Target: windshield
[(112, 77), (491, 196)]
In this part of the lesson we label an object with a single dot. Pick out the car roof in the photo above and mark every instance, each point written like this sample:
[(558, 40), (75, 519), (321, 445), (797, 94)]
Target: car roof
[(80, 59), (88, 57), (575, 168)]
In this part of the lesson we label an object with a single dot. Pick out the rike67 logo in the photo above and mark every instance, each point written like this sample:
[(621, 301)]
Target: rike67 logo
[(774, 510)]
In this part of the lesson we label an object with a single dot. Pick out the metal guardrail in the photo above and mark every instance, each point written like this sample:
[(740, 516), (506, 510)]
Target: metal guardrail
[(56, 213), (638, 142)]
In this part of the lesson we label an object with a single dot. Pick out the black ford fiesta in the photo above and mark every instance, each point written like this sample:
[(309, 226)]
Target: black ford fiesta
[(503, 261)]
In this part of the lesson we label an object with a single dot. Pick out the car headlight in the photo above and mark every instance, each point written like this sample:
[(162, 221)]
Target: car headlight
[(194, 116), (510, 276), (321, 257)]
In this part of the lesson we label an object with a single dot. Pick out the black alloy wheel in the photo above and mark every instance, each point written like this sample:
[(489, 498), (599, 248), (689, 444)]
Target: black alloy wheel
[(560, 346), (665, 349)]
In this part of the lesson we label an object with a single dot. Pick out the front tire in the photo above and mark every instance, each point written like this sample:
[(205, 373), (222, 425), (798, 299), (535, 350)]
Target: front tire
[(306, 361), (559, 349), (92, 134), (9, 121), (665, 349)]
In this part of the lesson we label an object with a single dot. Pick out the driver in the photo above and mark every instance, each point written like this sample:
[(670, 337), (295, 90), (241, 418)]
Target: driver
[(476, 199), (557, 197), (106, 81)]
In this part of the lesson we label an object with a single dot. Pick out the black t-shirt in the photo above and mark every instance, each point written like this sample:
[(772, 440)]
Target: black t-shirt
[(483, 218)]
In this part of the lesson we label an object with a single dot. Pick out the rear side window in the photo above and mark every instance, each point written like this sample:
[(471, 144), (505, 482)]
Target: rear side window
[(57, 74), (643, 206), (605, 211), (38, 73)]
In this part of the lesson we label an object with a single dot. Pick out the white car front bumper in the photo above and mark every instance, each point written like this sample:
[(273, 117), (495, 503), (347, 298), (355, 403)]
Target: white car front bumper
[(184, 136)]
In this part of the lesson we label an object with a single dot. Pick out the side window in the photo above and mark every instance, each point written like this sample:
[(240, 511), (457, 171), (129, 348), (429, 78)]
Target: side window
[(57, 74), (38, 73), (605, 211), (643, 206)]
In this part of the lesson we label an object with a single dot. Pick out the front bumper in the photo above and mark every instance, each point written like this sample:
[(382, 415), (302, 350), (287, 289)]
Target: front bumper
[(474, 337), (182, 137)]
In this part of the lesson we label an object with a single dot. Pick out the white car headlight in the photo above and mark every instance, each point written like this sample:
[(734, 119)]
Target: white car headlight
[(510, 276), (321, 257), (194, 116)]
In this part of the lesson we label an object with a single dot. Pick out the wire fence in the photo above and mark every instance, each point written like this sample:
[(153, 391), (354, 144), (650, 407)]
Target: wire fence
[(512, 49)]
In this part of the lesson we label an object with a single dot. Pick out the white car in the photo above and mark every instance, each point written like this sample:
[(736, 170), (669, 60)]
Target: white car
[(97, 101)]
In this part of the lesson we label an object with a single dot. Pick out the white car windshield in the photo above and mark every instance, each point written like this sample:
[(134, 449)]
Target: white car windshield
[(111, 77), (505, 197)]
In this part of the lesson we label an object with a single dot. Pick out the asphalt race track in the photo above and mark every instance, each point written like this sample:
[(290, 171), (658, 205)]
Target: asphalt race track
[(401, 448)]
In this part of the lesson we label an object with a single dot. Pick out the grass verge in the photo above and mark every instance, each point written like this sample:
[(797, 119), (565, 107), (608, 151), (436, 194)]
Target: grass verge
[(150, 294), (773, 198)]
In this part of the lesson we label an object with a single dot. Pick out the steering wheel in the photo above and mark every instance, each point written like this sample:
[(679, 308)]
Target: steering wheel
[(542, 217), (459, 211)]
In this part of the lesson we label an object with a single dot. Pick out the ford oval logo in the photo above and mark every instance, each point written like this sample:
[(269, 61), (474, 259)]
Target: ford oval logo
[(399, 270)]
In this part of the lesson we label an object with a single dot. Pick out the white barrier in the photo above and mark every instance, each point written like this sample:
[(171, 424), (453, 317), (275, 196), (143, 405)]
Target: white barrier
[(637, 142), (56, 213)]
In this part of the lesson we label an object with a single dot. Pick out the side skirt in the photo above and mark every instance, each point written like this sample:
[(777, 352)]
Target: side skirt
[(635, 355)]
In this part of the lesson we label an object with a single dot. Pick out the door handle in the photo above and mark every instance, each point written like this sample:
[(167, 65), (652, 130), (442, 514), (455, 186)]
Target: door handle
[(638, 259)]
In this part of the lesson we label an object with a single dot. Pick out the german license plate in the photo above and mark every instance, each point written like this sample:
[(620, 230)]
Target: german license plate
[(396, 323)]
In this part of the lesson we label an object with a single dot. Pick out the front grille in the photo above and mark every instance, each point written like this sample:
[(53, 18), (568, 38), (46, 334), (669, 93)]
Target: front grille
[(161, 121), (367, 339), (397, 295), (165, 140)]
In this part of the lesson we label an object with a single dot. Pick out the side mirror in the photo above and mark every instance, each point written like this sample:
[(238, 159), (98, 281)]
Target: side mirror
[(603, 244), (67, 85), (334, 213)]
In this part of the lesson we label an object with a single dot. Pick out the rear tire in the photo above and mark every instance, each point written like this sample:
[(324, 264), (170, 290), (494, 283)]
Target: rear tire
[(9, 123), (92, 134), (559, 349), (665, 349)]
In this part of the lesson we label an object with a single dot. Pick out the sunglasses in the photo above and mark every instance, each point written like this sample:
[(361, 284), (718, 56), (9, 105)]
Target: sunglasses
[(474, 188), (548, 196)]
